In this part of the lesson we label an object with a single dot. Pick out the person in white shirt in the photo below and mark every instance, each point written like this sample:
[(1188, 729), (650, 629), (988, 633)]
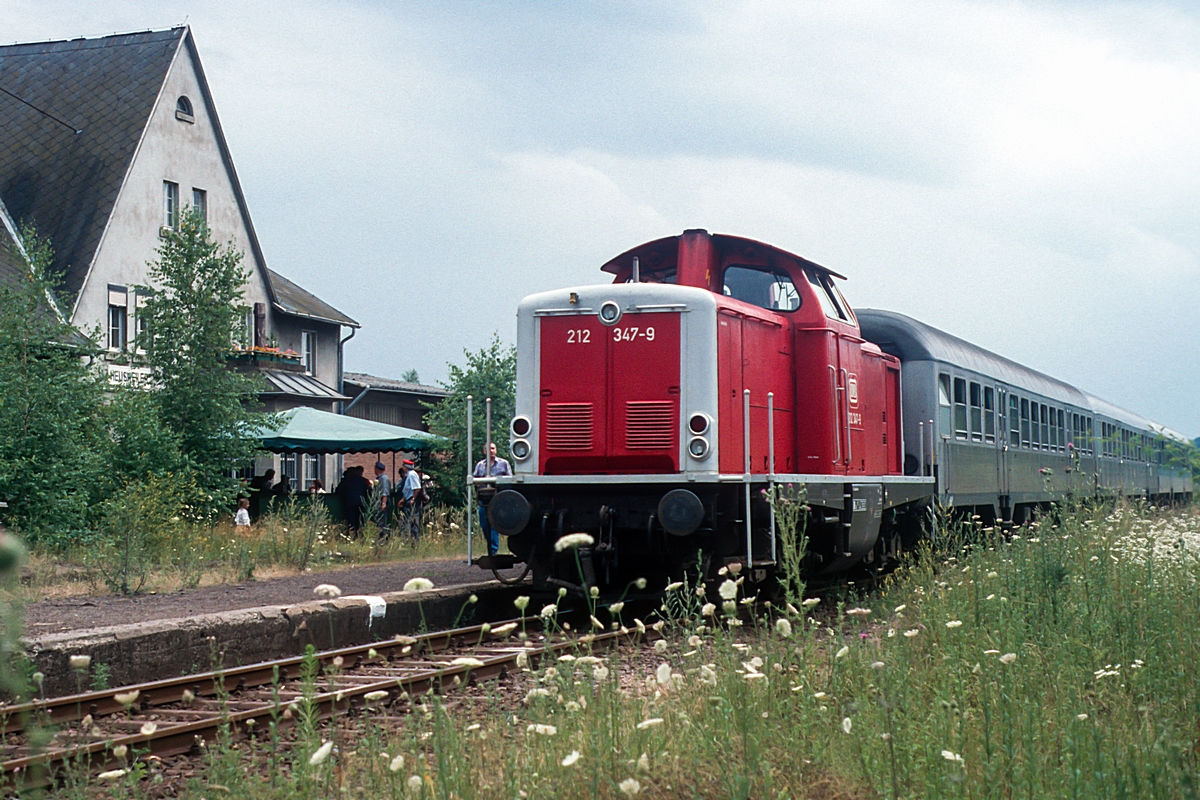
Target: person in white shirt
[(242, 518), (486, 492), (411, 496)]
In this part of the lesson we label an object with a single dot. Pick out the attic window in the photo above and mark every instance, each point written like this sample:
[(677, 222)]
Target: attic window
[(183, 109)]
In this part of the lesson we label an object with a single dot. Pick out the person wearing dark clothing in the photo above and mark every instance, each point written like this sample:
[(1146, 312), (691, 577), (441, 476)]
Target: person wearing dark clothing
[(354, 490), (263, 482)]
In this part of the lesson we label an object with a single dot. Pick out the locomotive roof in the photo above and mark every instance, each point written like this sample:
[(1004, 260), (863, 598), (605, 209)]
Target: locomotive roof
[(911, 340), (664, 250)]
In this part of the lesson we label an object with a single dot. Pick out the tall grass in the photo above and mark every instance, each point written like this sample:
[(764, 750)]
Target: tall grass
[(1060, 662), (293, 537)]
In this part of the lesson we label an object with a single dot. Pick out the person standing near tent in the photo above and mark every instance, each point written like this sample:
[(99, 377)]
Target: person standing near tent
[(412, 494), (353, 491), (487, 491), (382, 495)]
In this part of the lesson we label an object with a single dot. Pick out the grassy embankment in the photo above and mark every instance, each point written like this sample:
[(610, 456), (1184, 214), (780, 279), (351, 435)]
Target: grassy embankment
[(1061, 663), (293, 538)]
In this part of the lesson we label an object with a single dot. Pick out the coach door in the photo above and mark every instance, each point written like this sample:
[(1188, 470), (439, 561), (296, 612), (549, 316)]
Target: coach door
[(1002, 441)]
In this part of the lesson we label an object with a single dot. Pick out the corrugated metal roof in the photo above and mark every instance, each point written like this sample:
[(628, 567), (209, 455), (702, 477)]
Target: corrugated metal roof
[(290, 298), (361, 380), (73, 113), (297, 384), (911, 340)]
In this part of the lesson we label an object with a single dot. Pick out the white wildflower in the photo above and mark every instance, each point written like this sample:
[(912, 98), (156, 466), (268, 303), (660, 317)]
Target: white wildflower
[(126, 698), (572, 540), (730, 608), (504, 630), (112, 774), (375, 696), (900, 608), (810, 602), (321, 754), (671, 587), (708, 675), (466, 661), (643, 763), (847, 724), (954, 623), (521, 603), (415, 783), (600, 672), (783, 627), (615, 608), (1008, 658), (595, 622), (571, 758), (663, 674), (858, 612), (418, 585), (646, 724), (660, 646), (80, 662), (640, 584), (327, 590), (397, 764), (728, 590), (708, 610), (950, 755), (845, 649), (149, 728), (542, 730), (630, 787), (1081, 717)]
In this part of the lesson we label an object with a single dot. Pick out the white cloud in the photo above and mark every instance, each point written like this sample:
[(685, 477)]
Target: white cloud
[(1024, 176)]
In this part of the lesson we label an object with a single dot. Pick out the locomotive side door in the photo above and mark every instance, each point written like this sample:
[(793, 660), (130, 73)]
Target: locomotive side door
[(729, 392), (1002, 429), (852, 402)]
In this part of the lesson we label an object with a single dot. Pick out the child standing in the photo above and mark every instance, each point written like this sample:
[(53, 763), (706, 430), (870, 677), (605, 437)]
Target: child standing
[(242, 518)]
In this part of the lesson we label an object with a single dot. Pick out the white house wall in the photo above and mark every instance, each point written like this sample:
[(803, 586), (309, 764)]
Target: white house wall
[(189, 155)]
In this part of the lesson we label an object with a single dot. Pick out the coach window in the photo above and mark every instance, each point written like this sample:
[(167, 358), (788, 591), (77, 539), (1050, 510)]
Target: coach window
[(762, 288), (1076, 439), (1053, 429), (1014, 421), (1045, 427), (960, 408), (1062, 431), (976, 396), (943, 403), (1024, 422), (989, 414), (1087, 436), (1035, 437)]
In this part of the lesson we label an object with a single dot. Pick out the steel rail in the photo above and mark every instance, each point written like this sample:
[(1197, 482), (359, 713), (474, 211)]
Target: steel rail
[(70, 708), (174, 738)]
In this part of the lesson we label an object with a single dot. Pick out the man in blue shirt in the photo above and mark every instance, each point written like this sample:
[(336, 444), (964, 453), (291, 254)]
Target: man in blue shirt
[(486, 492), (412, 495)]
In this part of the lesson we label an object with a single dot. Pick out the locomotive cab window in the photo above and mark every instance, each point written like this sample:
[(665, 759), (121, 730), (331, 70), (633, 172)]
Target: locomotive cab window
[(666, 275), (830, 298), (762, 288)]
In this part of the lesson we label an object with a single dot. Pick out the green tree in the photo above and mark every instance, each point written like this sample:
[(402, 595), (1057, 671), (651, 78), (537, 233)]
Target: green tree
[(192, 317), (50, 453), (490, 372)]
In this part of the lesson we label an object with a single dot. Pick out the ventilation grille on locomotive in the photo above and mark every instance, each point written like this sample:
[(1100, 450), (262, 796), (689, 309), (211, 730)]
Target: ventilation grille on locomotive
[(569, 426), (649, 424)]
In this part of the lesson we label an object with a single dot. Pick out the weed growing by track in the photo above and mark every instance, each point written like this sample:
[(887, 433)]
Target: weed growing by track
[(1059, 662)]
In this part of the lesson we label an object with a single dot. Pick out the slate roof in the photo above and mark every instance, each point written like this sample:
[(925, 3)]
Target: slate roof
[(290, 298), (71, 116), (362, 380)]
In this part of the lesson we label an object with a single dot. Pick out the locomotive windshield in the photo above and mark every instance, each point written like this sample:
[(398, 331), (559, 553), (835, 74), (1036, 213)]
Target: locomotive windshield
[(772, 290)]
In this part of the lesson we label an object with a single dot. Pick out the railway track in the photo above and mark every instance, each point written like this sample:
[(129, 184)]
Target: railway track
[(171, 717)]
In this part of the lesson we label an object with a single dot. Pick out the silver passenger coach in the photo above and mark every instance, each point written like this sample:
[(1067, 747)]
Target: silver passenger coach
[(1002, 438)]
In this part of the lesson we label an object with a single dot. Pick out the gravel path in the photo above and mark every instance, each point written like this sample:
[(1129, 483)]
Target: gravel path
[(79, 613)]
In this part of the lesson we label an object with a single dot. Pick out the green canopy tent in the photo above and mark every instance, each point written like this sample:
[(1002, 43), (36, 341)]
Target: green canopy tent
[(307, 430)]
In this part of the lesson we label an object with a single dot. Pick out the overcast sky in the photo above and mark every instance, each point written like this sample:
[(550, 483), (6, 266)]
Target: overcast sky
[(1023, 175)]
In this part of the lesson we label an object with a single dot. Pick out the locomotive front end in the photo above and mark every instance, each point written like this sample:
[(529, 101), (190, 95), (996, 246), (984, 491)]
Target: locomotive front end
[(615, 430)]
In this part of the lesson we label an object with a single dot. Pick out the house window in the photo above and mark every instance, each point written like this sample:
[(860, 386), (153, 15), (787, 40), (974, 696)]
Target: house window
[(244, 336), (960, 408), (308, 350), (183, 109), (200, 203), (139, 317), (118, 317), (170, 205), (313, 470)]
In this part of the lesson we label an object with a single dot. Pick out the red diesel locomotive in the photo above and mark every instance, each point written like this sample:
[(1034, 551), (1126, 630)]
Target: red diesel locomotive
[(652, 411)]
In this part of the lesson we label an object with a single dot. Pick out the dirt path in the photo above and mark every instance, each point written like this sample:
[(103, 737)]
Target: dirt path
[(77, 613)]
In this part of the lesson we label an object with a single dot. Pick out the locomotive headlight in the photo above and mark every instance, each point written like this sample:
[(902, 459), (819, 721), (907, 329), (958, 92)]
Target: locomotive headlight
[(520, 449), (610, 312), (521, 426), (698, 423), (698, 448)]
